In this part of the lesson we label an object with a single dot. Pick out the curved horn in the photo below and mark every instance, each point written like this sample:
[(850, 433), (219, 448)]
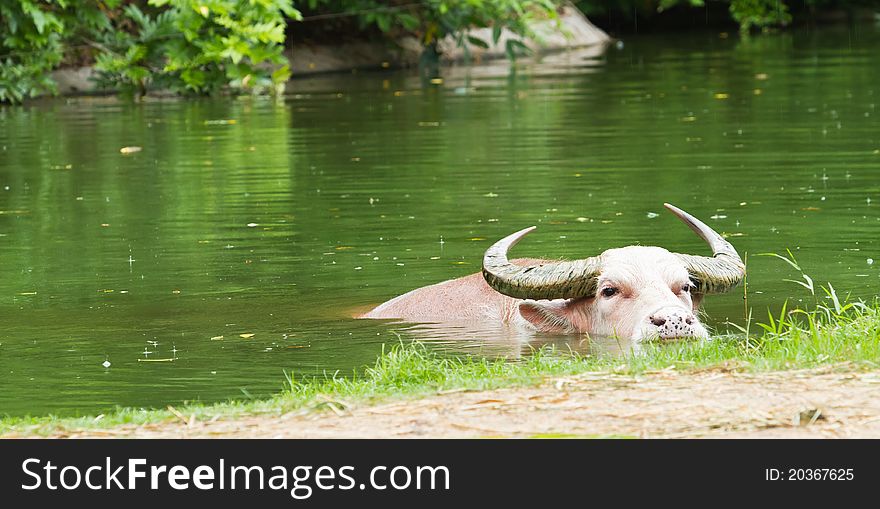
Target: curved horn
[(552, 280), (718, 273)]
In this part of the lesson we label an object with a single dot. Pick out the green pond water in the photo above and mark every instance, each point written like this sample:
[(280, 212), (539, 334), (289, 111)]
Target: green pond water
[(279, 220)]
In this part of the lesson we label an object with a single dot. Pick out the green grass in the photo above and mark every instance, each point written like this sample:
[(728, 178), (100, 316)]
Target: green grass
[(842, 333)]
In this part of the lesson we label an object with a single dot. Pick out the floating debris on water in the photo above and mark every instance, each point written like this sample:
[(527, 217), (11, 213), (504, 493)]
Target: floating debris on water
[(721, 95), (230, 121), (253, 225), (130, 150), (169, 359), (652, 215), (870, 261), (718, 216), (490, 195), (247, 336), (106, 364), (216, 338)]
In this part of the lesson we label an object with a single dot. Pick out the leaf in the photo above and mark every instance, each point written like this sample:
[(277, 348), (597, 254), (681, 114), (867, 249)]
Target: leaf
[(383, 22), (408, 21), (281, 74), (513, 45), (476, 41)]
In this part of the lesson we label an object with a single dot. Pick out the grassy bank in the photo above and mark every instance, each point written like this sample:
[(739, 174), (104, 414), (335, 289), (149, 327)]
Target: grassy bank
[(843, 335)]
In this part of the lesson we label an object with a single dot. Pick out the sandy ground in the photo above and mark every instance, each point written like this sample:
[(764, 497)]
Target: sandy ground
[(715, 403)]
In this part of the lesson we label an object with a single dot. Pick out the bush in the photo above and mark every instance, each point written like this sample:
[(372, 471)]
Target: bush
[(32, 41), (432, 20), (208, 46), (759, 13), (198, 46)]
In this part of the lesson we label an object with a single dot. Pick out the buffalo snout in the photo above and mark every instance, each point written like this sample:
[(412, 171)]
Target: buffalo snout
[(674, 323)]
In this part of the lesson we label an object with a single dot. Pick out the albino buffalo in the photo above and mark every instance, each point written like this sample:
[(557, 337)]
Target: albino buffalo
[(634, 292)]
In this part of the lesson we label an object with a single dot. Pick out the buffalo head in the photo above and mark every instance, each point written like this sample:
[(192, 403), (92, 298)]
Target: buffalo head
[(633, 292)]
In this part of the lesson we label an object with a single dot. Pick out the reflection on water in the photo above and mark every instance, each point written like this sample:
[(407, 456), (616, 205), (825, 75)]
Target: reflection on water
[(502, 342), (235, 244)]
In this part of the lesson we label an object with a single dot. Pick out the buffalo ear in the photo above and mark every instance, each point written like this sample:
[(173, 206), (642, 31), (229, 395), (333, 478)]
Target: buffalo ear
[(549, 316)]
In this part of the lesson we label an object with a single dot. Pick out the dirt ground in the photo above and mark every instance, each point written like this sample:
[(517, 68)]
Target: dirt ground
[(669, 404)]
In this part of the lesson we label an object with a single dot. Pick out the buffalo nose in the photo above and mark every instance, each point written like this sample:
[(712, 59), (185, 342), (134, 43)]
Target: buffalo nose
[(658, 320)]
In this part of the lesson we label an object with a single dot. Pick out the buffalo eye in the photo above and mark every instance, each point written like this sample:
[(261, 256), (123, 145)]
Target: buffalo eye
[(609, 292), (687, 287)]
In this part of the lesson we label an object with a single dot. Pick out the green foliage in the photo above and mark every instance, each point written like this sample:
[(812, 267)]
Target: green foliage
[(30, 47), (432, 20), (208, 46), (198, 46), (131, 60), (234, 43), (759, 13), (33, 34)]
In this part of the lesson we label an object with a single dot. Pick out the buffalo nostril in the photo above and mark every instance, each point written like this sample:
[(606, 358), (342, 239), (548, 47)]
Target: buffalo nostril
[(689, 320), (658, 320)]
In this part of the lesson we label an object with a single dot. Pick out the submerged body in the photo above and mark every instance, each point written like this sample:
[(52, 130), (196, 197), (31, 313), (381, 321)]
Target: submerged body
[(649, 282), (634, 292)]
